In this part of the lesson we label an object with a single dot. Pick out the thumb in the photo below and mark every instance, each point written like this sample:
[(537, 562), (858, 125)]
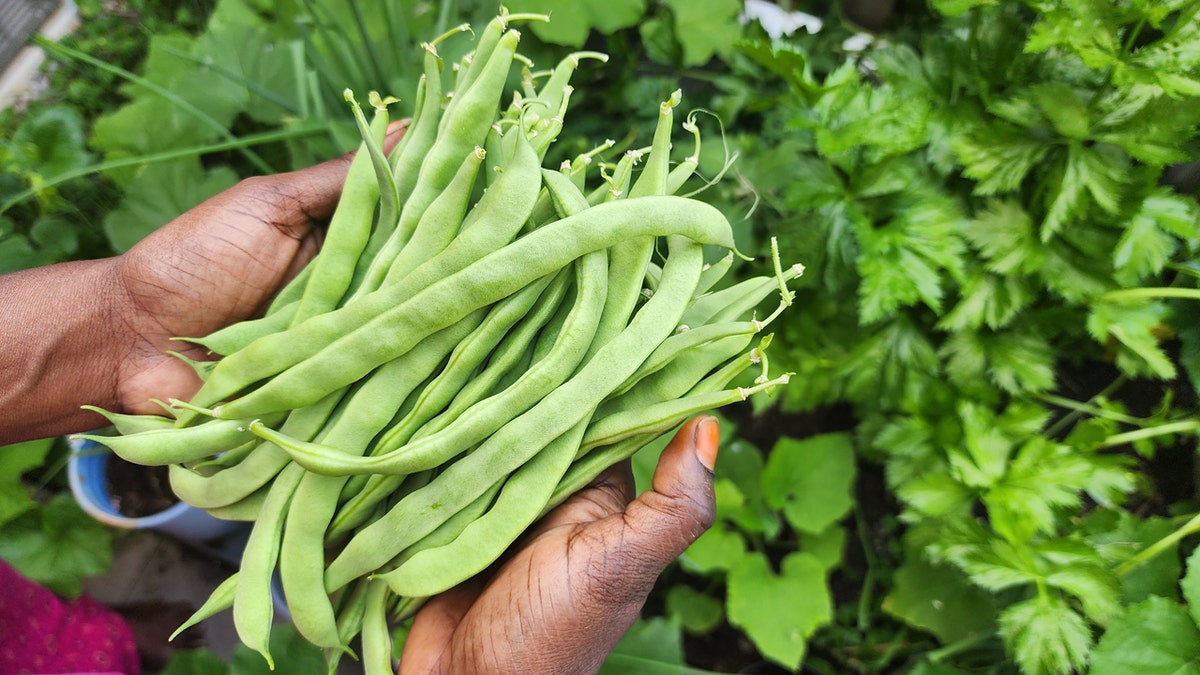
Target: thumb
[(293, 201), (662, 522)]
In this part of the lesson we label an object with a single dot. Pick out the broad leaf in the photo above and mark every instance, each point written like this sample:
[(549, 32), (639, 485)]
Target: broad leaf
[(57, 546), (810, 480), (15, 461), (697, 612), (158, 195), (1155, 637), (939, 599), (779, 612)]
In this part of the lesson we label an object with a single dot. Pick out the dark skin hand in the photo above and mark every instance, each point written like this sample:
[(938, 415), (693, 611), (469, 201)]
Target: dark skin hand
[(96, 332)]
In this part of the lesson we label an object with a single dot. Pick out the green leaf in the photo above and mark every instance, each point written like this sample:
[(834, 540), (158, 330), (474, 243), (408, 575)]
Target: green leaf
[(697, 612), (1098, 171), (572, 22), (1015, 360), (1154, 637), (1063, 106), (810, 480), (959, 7), (1004, 235), (989, 300), (159, 194), (1144, 248), (719, 548), (15, 461), (705, 28), (1190, 585), (651, 646), (195, 662), (826, 546), (51, 141), (779, 612), (1117, 535), (1137, 328), (292, 654), (1046, 636), (57, 546), (939, 599), (999, 157)]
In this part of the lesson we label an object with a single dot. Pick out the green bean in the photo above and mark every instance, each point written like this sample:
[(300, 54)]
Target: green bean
[(360, 507), (681, 374), (464, 125), (376, 638), (504, 360), (157, 446), (503, 209), (627, 269), (349, 622), (591, 463), (368, 410), (664, 414), (235, 336), (447, 532), (713, 273), (394, 331), (389, 195), (440, 221), (229, 485), (346, 237), (684, 342), (132, 424), (463, 361), (291, 292), (684, 170), (225, 460), (520, 502), (519, 439), (218, 601), (481, 419), (245, 509), (252, 605)]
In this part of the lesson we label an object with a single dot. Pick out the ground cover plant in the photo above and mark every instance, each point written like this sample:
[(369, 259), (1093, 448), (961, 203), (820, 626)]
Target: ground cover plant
[(985, 461)]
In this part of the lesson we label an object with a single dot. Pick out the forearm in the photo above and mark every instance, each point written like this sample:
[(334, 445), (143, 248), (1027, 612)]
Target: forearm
[(60, 347)]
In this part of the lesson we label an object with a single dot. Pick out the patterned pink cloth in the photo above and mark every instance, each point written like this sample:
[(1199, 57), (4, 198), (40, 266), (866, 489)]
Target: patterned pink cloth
[(40, 633)]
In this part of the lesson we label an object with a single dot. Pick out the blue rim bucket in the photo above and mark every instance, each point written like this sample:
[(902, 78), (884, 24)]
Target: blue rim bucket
[(86, 472)]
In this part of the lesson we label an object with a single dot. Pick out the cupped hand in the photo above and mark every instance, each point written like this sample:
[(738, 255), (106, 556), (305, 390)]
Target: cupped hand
[(219, 263), (579, 578)]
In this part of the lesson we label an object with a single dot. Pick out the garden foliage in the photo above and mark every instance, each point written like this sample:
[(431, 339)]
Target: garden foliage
[(985, 462)]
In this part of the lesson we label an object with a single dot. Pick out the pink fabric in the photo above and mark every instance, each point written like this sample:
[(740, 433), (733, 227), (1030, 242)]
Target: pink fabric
[(42, 634)]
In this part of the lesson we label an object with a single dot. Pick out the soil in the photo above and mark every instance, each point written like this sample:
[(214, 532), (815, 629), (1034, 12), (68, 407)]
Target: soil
[(138, 491)]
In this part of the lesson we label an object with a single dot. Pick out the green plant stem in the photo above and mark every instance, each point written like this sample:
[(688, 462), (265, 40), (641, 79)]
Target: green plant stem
[(234, 144), (1162, 545), (958, 647), (1070, 418), (1151, 432), (1087, 409), (252, 86), (1151, 293), (171, 96), (866, 597)]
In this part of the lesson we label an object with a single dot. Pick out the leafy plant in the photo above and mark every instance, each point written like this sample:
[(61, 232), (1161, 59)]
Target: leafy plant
[(984, 187)]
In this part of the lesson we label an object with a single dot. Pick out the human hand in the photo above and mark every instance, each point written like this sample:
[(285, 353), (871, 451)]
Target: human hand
[(219, 263), (577, 581)]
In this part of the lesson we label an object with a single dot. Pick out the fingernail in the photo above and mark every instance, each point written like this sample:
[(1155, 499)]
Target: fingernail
[(708, 438)]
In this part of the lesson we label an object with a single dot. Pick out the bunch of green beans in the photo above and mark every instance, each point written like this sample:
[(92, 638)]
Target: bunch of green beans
[(478, 338)]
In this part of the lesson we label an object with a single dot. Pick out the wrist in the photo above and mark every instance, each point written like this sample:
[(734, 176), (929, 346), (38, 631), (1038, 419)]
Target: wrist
[(61, 344)]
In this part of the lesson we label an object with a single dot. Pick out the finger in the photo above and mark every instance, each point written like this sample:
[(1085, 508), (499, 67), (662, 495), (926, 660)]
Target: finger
[(434, 627), (292, 202), (662, 522)]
